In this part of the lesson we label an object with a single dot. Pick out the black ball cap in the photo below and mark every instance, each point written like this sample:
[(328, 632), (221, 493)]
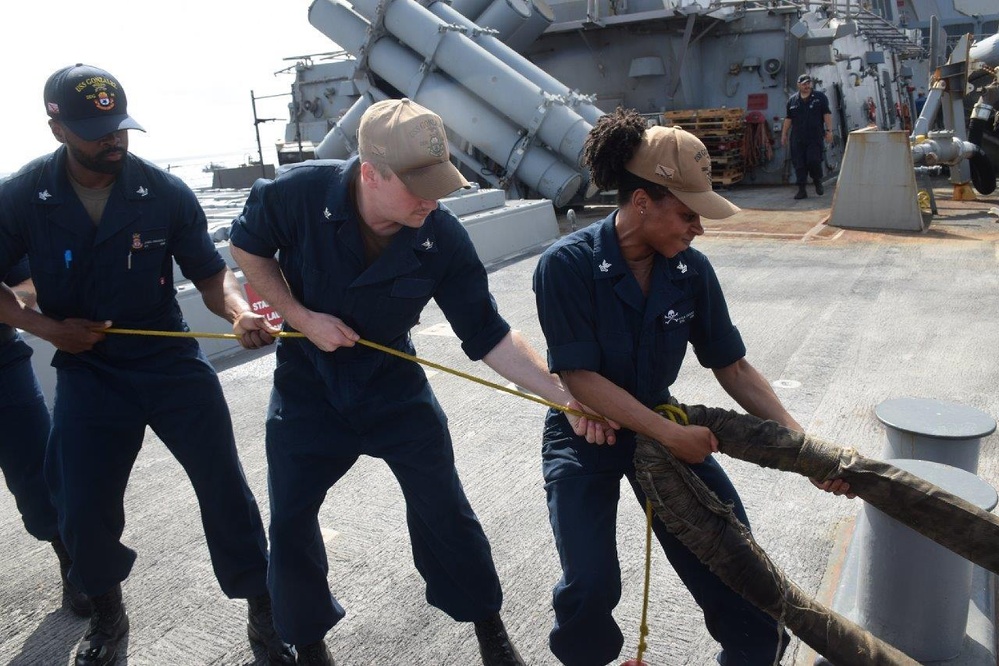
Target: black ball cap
[(89, 101), (804, 78)]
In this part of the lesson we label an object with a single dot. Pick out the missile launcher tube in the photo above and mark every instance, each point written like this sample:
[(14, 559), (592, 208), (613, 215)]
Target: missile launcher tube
[(461, 111), (505, 17), (515, 61), (479, 71)]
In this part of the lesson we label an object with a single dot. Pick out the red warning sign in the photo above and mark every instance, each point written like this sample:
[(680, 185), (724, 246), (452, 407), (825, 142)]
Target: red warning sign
[(260, 306)]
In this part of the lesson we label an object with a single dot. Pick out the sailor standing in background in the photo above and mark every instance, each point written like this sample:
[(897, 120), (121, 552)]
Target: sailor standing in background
[(26, 423), (101, 229), (809, 123)]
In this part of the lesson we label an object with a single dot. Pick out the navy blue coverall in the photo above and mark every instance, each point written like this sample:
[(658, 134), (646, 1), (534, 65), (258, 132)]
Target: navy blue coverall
[(595, 317), (807, 133), (26, 426), (121, 270), (327, 409)]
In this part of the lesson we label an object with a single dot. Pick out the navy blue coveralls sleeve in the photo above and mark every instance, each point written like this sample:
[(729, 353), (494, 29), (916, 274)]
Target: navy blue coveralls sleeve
[(26, 426), (595, 317), (121, 270), (327, 409), (807, 134)]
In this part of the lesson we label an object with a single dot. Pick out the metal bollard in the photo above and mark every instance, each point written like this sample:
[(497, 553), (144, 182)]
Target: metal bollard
[(911, 591), (935, 430), (932, 604)]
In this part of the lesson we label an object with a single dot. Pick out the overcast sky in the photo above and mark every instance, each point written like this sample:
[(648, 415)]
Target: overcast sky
[(187, 66)]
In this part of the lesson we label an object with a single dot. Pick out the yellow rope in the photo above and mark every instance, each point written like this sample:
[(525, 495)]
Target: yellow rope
[(676, 415), (643, 629), (366, 343)]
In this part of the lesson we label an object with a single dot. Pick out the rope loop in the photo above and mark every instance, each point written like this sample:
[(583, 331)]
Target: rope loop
[(673, 412)]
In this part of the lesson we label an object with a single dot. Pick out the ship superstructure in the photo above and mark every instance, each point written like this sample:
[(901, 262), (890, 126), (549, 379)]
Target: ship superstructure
[(516, 82)]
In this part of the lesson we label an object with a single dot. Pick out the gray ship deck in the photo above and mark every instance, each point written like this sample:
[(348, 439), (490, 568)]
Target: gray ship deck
[(845, 319)]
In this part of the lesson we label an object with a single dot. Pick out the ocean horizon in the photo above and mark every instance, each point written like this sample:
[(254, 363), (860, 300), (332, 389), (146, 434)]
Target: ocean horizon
[(192, 170)]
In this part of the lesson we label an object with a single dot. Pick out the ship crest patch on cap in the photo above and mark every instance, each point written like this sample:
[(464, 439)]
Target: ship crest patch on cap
[(435, 142), (102, 92), (103, 101)]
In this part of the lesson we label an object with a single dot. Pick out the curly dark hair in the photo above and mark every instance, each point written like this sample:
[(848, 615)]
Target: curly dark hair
[(609, 146)]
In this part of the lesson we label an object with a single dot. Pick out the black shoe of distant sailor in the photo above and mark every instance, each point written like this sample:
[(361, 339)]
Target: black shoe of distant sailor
[(802, 194), (260, 629), (818, 188), (72, 598), (108, 626), (315, 654), (494, 643)]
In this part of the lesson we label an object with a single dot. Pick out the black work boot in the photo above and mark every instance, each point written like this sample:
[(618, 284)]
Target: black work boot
[(802, 194), (315, 654), (494, 643), (108, 626), (260, 629), (72, 598), (818, 188)]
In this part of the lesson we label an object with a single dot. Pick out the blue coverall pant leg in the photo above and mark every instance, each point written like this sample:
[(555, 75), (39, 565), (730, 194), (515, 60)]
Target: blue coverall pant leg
[(22, 448), (450, 549), (807, 159), (309, 447), (583, 514), (302, 465), (98, 427), (197, 429)]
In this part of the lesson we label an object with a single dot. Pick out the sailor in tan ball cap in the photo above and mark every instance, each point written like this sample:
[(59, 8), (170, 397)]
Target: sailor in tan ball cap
[(362, 246), (619, 303)]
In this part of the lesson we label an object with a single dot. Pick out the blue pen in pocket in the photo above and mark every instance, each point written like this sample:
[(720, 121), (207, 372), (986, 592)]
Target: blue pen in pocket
[(68, 256)]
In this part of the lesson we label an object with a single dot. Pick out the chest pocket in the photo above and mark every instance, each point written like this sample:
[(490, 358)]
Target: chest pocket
[(141, 267), (673, 332), (63, 282), (677, 317), (398, 310)]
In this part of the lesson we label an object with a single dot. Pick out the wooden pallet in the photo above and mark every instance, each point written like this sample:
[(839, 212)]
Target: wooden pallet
[(706, 128), (722, 144), (704, 114), (727, 176), (726, 161), (725, 180), (706, 122), (731, 152), (721, 131)]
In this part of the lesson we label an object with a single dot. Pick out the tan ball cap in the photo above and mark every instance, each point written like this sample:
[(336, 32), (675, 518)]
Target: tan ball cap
[(410, 140), (677, 160)]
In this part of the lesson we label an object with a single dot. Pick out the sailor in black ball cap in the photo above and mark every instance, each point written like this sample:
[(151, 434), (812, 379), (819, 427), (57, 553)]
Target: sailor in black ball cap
[(102, 228)]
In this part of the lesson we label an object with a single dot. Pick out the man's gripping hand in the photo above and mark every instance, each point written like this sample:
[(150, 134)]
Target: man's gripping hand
[(77, 335), (253, 330), (327, 332)]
